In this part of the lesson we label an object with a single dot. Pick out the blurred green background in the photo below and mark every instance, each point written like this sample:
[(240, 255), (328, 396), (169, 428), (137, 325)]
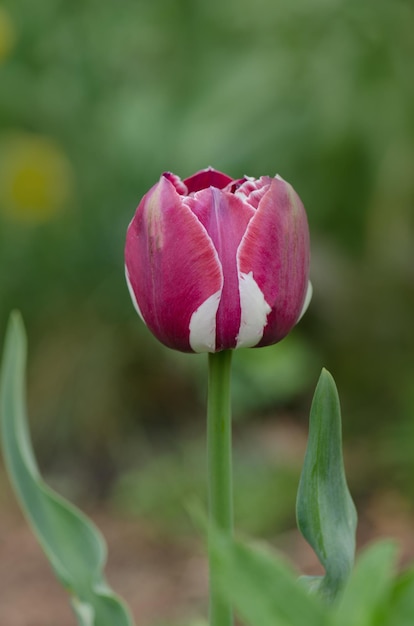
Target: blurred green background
[(97, 98)]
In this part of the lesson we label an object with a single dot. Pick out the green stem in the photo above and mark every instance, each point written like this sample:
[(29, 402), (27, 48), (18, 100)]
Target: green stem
[(219, 468)]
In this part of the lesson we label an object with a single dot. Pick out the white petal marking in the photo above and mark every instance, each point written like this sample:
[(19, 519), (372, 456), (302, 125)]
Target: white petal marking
[(132, 294), (308, 298), (203, 325), (254, 312)]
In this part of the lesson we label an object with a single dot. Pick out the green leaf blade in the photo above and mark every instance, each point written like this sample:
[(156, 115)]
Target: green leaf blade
[(366, 597), (325, 511), (401, 604), (262, 587), (74, 546)]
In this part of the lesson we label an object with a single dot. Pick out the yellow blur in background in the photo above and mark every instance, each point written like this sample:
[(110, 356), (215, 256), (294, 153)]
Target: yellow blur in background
[(35, 178)]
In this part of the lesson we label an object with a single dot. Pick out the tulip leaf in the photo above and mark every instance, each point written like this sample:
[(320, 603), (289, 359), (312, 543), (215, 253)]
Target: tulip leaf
[(401, 605), (74, 546), (325, 511), (262, 586), (366, 598)]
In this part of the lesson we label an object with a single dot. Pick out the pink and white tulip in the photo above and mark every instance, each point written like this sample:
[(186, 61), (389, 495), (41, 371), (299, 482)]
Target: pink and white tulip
[(214, 263)]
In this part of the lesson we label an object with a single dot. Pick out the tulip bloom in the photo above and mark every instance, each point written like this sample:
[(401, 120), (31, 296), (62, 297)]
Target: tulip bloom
[(214, 263)]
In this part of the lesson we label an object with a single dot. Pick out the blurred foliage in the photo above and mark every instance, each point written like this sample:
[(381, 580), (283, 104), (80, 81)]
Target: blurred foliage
[(97, 99), (163, 487)]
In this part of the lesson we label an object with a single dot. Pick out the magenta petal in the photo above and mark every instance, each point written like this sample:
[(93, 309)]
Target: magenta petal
[(225, 218), (207, 178), (252, 190), (177, 182), (275, 249), (171, 264)]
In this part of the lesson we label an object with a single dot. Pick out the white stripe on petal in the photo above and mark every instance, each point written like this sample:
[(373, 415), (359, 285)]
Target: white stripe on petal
[(308, 298), (254, 312), (132, 294), (203, 325)]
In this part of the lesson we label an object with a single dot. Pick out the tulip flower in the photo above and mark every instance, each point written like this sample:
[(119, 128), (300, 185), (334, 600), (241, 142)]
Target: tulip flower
[(214, 263)]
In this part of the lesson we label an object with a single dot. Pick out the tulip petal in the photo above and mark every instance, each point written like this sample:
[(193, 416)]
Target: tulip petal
[(252, 190), (172, 266), (275, 248), (207, 178), (254, 312), (225, 218)]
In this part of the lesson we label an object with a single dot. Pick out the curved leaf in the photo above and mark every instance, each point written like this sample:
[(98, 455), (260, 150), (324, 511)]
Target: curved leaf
[(262, 587), (71, 542), (366, 597), (325, 511)]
